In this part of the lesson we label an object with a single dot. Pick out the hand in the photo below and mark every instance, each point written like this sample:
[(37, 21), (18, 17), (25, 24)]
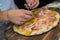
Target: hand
[(31, 4), (19, 16)]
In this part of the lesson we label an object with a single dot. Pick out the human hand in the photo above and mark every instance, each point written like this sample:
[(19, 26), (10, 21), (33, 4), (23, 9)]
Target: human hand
[(19, 16), (31, 4)]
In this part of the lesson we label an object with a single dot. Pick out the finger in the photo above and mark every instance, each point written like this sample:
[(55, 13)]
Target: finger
[(29, 13), (26, 12), (20, 21), (27, 17), (35, 5), (29, 2), (26, 6)]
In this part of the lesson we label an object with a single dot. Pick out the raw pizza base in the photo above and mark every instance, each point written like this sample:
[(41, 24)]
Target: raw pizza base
[(42, 30)]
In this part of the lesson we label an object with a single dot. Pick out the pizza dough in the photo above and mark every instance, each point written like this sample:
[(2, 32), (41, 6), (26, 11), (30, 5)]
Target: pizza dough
[(43, 21)]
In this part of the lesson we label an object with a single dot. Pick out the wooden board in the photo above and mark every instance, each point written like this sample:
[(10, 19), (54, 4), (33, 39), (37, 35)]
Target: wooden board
[(51, 35)]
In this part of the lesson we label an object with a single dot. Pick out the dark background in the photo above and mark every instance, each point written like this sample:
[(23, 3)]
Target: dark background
[(20, 3)]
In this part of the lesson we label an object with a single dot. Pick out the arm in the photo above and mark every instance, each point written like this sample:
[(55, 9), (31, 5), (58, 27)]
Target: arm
[(18, 16), (3, 16)]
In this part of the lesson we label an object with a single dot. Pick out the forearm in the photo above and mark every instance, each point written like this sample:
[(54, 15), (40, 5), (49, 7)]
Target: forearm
[(3, 16)]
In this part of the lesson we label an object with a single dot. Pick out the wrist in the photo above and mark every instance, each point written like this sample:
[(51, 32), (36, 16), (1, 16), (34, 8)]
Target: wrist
[(5, 15)]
